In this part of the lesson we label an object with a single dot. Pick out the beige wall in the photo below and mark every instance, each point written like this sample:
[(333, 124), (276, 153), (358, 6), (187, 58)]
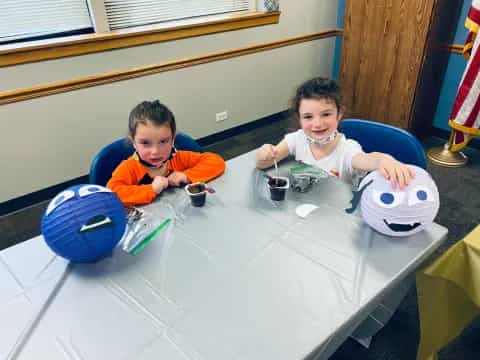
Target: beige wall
[(50, 140)]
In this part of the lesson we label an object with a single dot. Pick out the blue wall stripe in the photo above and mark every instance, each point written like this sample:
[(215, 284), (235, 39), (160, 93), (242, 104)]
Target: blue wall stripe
[(453, 75), (338, 40)]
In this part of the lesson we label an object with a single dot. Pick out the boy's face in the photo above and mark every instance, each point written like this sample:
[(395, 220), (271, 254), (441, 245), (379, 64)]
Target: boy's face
[(319, 117), (153, 143)]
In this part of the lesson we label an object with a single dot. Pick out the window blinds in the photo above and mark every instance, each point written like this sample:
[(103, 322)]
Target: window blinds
[(23, 19), (127, 13)]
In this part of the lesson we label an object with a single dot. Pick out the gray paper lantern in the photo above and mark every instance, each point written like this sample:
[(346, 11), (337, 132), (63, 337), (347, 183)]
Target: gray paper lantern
[(396, 212)]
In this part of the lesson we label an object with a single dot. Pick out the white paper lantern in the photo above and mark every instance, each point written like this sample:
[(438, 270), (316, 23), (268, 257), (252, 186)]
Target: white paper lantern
[(396, 212)]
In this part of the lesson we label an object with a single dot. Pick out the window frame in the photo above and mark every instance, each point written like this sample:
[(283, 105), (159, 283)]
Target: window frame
[(104, 40), (99, 5), (31, 20)]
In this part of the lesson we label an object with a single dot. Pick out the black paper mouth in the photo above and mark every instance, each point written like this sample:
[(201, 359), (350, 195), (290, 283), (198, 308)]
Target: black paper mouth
[(401, 227)]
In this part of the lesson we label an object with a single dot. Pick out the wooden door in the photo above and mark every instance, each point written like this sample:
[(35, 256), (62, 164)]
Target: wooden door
[(383, 50)]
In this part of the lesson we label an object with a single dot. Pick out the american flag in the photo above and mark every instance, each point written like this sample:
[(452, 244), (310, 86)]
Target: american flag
[(465, 116)]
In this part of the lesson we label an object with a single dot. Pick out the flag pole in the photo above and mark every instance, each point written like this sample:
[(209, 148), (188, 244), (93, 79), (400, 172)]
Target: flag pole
[(444, 156)]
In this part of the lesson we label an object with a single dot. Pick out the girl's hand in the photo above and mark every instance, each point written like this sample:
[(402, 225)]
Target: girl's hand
[(395, 171), (159, 184), (176, 178), (267, 153)]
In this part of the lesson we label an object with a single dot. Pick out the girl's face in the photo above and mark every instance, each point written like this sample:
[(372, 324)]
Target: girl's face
[(319, 117), (153, 143)]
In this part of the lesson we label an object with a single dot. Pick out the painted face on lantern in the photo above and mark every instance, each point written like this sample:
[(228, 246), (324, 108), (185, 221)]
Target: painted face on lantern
[(84, 222), (399, 213)]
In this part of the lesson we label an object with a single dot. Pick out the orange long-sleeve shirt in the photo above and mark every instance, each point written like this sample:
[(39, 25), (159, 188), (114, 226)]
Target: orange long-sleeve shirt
[(127, 177)]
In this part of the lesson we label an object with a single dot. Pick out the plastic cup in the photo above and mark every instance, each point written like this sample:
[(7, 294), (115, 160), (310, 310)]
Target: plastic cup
[(278, 186), (197, 193)]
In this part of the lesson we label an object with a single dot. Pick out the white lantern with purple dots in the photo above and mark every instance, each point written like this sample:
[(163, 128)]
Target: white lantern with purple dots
[(396, 212), (84, 223)]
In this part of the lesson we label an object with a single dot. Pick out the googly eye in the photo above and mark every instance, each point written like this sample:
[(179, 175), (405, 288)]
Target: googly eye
[(91, 189), (419, 194), (58, 200), (388, 199)]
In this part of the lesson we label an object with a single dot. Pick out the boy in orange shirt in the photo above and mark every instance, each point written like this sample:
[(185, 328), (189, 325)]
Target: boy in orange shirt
[(156, 164)]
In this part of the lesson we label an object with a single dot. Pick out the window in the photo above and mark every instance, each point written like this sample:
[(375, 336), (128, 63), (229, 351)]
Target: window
[(22, 20), (127, 13), (114, 24)]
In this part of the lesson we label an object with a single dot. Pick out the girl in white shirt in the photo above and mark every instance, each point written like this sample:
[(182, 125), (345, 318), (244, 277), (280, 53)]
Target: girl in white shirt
[(317, 105)]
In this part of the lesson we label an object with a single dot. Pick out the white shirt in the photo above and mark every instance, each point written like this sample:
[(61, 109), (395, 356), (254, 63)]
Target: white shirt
[(338, 163)]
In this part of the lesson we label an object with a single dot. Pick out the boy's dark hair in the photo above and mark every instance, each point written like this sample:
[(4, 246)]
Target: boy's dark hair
[(153, 111), (317, 88)]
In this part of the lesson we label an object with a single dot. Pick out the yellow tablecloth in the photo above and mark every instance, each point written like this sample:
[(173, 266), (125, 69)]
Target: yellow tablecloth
[(448, 295)]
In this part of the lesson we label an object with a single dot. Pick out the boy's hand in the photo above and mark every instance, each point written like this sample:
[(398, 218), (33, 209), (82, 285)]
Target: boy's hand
[(395, 171), (159, 184), (176, 178), (267, 152)]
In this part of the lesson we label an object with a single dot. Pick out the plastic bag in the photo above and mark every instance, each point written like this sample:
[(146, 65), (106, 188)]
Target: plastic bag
[(143, 226), (303, 176)]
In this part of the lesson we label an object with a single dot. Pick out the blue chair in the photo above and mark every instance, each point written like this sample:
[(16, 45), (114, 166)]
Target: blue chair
[(374, 136), (108, 158)]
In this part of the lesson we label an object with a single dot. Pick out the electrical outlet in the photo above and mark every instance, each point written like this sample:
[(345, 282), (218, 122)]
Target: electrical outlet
[(221, 116)]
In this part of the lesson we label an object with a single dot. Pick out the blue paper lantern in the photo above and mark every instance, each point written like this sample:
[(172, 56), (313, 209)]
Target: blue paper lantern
[(84, 223)]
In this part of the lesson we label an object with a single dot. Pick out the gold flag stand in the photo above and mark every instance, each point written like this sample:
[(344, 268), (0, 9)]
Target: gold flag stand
[(444, 156)]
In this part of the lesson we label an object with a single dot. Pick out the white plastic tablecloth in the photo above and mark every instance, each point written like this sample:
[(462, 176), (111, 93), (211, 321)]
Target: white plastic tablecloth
[(241, 278)]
